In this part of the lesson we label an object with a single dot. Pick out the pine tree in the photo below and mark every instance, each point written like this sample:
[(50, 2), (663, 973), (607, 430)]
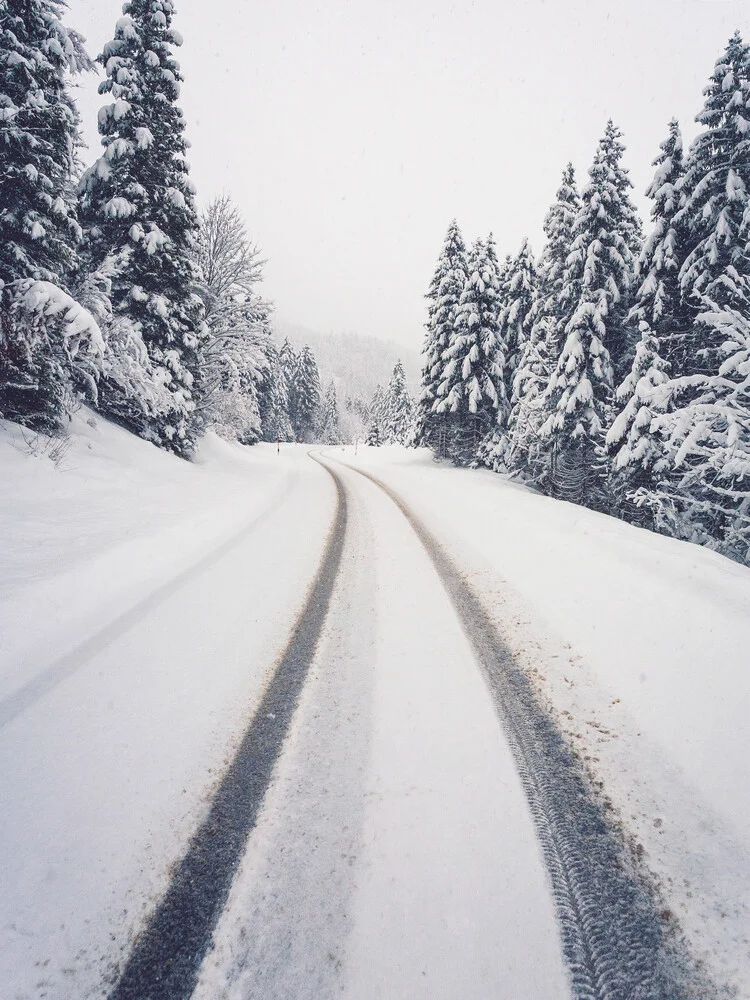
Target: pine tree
[(716, 194), (598, 276), (665, 324), (137, 201), (472, 388), (638, 451), (273, 399), (43, 360), (39, 137), (529, 453), (373, 434), (704, 408), (519, 286), (443, 296), (303, 381), (397, 409), (330, 430), (659, 301)]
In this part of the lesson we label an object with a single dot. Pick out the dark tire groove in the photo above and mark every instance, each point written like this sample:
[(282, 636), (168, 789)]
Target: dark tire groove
[(613, 940), (166, 958)]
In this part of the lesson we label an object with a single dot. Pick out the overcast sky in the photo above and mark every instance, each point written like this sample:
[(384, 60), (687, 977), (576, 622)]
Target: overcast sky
[(350, 133)]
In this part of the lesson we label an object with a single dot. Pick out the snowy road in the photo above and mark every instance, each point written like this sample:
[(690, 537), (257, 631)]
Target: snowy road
[(401, 817)]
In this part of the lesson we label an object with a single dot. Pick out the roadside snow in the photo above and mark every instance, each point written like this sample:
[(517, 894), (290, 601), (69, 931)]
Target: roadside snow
[(641, 643)]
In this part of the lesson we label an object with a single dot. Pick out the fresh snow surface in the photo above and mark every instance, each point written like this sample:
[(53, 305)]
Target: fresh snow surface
[(396, 857), (135, 645), (641, 644), (144, 602)]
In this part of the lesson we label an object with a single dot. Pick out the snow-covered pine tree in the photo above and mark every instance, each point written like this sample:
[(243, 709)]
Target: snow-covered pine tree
[(715, 193), (397, 409), (666, 325), (306, 396), (659, 301), (519, 292), (639, 453), (598, 276), (330, 431), (39, 136), (137, 201), (39, 231), (472, 390), (704, 416), (373, 434), (548, 316), (443, 297), (273, 398)]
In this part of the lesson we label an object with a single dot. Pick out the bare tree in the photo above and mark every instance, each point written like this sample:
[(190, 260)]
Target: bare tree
[(230, 263)]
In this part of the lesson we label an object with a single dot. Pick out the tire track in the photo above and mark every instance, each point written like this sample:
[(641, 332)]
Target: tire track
[(167, 955), (613, 939), (65, 666)]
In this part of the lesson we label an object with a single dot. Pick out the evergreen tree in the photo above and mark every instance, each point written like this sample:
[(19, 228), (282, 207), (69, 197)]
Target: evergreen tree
[(397, 409), (551, 309), (443, 296), (548, 315), (373, 434), (659, 301), (598, 273), (716, 195), (43, 360), (330, 430), (665, 325), (303, 380), (273, 398), (137, 201), (39, 136), (472, 389), (638, 451), (704, 408), (519, 288)]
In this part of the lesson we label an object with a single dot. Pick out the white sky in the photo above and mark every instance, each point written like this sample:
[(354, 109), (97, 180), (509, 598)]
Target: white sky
[(350, 133)]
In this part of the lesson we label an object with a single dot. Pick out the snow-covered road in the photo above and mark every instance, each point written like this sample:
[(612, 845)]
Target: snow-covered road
[(422, 829), (395, 856)]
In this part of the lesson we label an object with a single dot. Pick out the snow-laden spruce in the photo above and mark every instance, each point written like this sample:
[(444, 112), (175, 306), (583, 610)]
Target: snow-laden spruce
[(665, 325), (519, 289), (518, 284), (528, 453), (598, 278), (330, 431), (704, 419), (397, 409), (472, 390), (137, 203), (39, 137), (49, 346), (659, 299), (444, 295), (303, 391)]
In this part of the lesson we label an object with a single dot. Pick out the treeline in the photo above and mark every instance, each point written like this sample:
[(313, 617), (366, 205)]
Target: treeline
[(113, 287), (614, 371)]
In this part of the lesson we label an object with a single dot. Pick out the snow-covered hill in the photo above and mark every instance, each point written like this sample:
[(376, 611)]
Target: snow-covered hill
[(355, 363)]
